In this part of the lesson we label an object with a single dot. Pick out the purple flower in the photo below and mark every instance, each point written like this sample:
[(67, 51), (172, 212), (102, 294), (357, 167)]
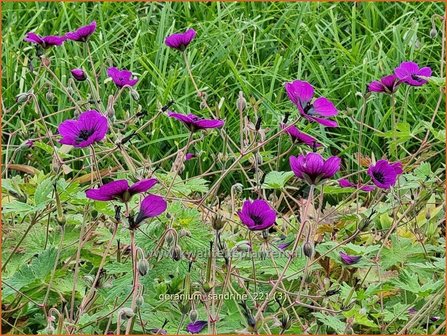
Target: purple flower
[(345, 183), (121, 77), (196, 327), (409, 73), (299, 136), (44, 41), (384, 174), (151, 206), (349, 259), (301, 94), (189, 156), (387, 84), (120, 190), (257, 215), (195, 123), (83, 33), (79, 74), (180, 41), (29, 143), (313, 168), (90, 127)]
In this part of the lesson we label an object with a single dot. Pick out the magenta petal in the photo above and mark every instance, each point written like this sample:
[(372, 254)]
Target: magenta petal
[(209, 123), (142, 186), (33, 38), (109, 191), (345, 183), (257, 215), (121, 77), (69, 131), (180, 40), (324, 107), (325, 122), (82, 34), (196, 327), (179, 116), (367, 188), (376, 86), (151, 206)]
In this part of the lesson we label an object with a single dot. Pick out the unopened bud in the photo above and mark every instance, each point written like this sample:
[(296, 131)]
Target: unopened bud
[(127, 313), (308, 249), (169, 238), (135, 95), (176, 253), (433, 32), (428, 214), (143, 266), (50, 96), (22, 97), (184, 233), (193, 315), (49, 330), (140, 301), (241, 102), (208, 286)]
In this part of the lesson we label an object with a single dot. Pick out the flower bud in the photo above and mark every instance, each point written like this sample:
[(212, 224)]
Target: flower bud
[(169, 238), (135, 95), (241, 102), (79, 74), (433, 32), (22, 97), (49, 330), (140, 301), (184, 233), (176, 253), (308, 249), (50, 96), (193, 315), (143, 266), (184, 307), (428, 214), (126, 313)]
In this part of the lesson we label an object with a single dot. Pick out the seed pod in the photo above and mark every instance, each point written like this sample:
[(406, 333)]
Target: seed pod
[(208, 286), (184, 233), (193, 315), (176, 253), (428, 214), (308, 249), (110, 109), (217, 222), (143, 266), (258, 123)]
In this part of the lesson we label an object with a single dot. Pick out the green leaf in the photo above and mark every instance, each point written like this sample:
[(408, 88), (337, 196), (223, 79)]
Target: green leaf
[(42, 191), (332, 322), (276, 179)]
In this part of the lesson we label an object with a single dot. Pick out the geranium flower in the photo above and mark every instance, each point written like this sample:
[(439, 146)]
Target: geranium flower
[(45, 41), (283, 246), (301, 94), (151, 206), (387, 84), (349, 259), (79, 74), (313, 168), (180, 41), (195, 123), (120, 190), (121, 77), (83, 33), (90, 127), (189, 156), (196, 327), (345, 183), (300, 137), (384, 174), (409, 73), (257, 215)]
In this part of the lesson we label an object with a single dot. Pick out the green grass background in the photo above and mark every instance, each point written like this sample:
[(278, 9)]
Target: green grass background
[(253, 47)]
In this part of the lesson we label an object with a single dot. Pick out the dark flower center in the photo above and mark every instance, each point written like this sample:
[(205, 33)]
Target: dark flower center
[(379, 176), (84, 135), (416, 78), (257, 219), (308, 108)]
